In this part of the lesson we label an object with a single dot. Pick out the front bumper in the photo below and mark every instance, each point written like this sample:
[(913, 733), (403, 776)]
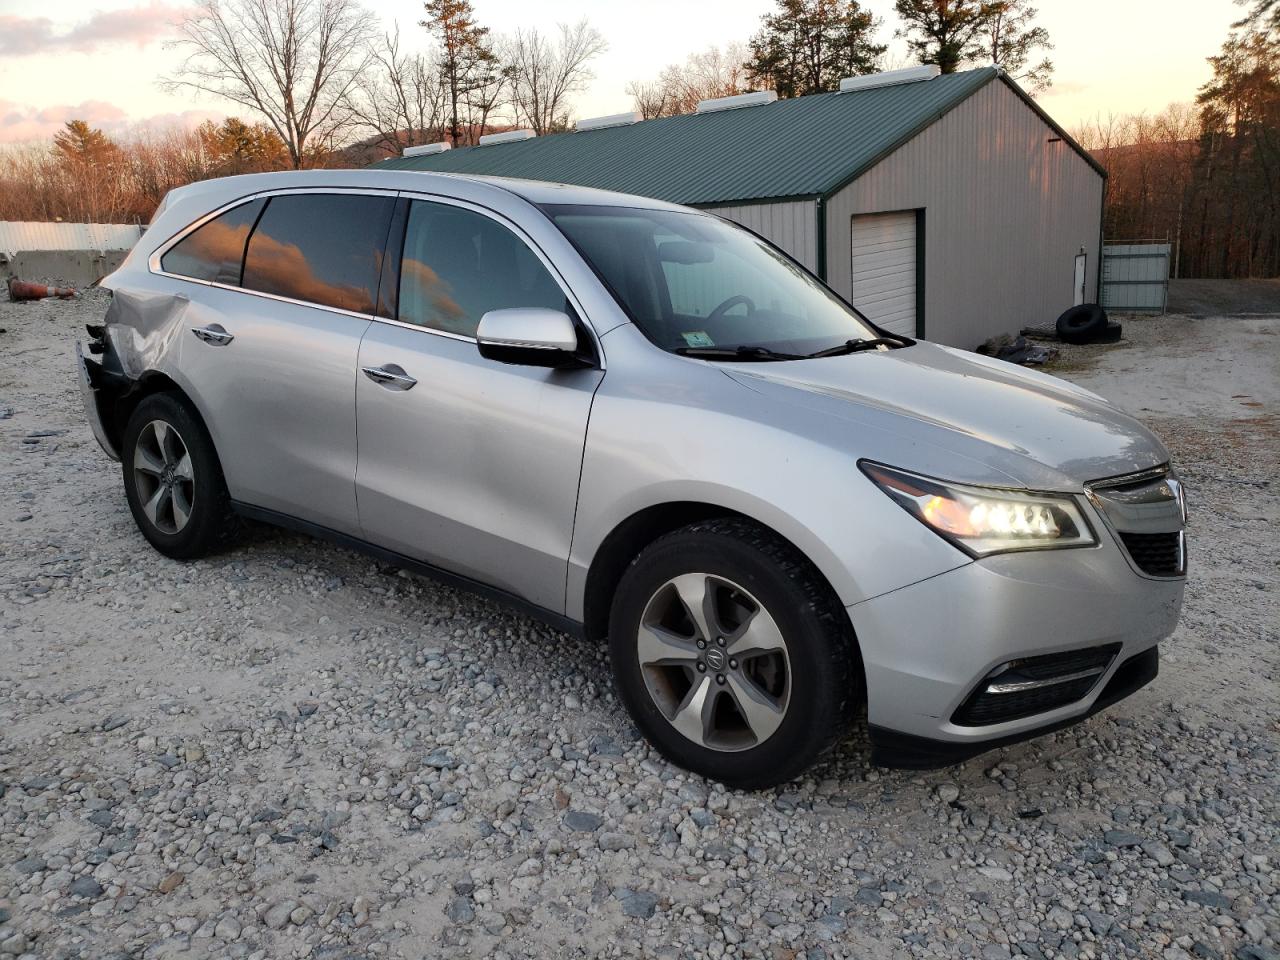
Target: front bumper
[(927, 647)]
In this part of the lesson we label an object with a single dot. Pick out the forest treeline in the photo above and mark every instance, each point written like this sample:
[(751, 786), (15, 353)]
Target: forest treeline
[(1204, 175)]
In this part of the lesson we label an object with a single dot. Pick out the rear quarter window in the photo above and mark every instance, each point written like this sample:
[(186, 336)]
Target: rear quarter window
[(321, 248), (215, 250)]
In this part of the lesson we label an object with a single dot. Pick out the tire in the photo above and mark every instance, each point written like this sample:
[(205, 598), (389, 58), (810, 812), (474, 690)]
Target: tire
[(743, 567), (1082, 323), (173, 480)]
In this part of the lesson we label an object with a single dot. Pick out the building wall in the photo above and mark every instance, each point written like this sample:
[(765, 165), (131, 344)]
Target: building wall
[(791, 224), (1006, 212)]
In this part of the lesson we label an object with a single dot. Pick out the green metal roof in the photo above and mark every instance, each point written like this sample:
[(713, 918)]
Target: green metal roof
[(801, 147)]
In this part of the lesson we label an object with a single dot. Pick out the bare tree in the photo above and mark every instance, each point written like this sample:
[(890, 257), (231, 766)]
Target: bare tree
[(545, 73), (398, 96), (703, 76), (293, 62), (650, 98)]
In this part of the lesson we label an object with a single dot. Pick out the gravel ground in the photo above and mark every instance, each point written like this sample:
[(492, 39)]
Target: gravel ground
[(290, 751)]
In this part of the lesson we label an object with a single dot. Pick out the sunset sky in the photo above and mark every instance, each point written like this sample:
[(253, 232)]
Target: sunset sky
[(99, 59)]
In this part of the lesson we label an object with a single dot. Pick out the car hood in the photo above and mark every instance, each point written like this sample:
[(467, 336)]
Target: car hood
[(963, 416)]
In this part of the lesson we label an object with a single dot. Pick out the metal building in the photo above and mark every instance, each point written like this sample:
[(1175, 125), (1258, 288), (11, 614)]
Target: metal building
[(951, 207)]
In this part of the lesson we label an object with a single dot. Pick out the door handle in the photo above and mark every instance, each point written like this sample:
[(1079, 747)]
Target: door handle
[(213, 334), (391, 376)]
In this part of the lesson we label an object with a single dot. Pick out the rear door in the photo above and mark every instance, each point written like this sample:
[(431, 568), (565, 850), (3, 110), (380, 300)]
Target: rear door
[(474, 465), (270, 344)]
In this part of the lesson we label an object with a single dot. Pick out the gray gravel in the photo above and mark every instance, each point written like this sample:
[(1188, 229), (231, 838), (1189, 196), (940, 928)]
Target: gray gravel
[(291, 751)]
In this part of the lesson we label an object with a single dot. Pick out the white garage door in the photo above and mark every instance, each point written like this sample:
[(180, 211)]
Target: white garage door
[(884, 269)]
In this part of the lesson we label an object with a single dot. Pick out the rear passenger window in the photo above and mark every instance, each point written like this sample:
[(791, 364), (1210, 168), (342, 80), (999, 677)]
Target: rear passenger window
[(458, 265), (214, 251), (321, 248)]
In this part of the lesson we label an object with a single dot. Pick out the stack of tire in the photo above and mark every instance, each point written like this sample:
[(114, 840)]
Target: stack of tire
[(1087, 323)]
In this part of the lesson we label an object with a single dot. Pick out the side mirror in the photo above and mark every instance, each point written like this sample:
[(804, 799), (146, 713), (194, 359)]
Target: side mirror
[(531, 336)]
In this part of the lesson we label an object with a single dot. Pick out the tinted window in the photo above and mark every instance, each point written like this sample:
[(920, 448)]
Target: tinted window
[(321, 248), (216, 250), (458, 265)]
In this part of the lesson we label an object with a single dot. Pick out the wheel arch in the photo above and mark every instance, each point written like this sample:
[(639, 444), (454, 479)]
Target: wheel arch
[(126, 401), (630, 536)]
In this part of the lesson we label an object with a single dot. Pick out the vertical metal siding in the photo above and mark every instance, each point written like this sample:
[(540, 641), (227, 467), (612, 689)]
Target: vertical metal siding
[(22, 236), (792, 225), (1006, 213)]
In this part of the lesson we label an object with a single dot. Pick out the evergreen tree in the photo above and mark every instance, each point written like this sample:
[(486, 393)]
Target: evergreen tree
[(1010, 39), (78, 143), (807, 46), (234, 146), (944, 32), (468, 63), (1265, 15)]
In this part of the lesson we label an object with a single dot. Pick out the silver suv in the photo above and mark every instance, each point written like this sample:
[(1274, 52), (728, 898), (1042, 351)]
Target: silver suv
[(640, 422)]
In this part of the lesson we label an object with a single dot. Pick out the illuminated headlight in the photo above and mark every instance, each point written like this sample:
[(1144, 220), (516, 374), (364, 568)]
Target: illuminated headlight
[(981, 520)]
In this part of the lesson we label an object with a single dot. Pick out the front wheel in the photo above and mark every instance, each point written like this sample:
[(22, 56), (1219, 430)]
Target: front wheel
[(732, 653)]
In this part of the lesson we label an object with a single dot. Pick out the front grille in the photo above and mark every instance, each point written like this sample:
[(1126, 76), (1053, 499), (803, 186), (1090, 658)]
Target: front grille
[(1023, 688), (1157, 554), (1148, 512)]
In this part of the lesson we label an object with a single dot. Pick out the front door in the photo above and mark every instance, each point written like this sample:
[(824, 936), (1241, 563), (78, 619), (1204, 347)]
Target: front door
[(469, 464)]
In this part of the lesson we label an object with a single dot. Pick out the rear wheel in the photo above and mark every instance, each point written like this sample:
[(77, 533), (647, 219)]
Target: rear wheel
[(173, 480), (732, 653)]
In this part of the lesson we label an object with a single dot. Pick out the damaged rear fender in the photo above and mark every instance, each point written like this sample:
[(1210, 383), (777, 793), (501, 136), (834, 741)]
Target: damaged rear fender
[(125, 360)]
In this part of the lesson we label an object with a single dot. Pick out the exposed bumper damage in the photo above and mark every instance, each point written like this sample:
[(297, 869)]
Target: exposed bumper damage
[(122, 352), (97, 387)]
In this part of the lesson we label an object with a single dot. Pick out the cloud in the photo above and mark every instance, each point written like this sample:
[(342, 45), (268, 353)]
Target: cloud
[(21, 122), (139, 26)]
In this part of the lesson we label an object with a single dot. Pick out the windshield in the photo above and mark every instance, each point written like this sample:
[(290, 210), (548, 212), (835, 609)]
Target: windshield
[(696, 284)]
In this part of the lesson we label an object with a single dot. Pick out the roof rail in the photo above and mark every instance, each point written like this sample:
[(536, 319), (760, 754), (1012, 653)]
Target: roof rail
[(755, 99), (890, 78), (613, 120), (510, 136), (424, 148)]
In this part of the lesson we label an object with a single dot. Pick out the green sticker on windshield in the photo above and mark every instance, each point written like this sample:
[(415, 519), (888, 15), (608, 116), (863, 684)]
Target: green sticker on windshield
[(698, 338)]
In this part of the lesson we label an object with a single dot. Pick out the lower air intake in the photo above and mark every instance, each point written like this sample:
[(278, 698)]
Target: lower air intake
[(1023, 688)]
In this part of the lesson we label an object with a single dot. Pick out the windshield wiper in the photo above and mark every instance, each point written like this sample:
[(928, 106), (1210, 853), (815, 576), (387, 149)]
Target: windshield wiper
[(737, 353), (857, 346)]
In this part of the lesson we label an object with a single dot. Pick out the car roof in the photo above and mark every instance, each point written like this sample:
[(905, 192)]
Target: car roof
[(461, 186)]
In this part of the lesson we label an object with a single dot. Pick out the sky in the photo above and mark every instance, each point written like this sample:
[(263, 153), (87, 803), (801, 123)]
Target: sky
[(99, 60)]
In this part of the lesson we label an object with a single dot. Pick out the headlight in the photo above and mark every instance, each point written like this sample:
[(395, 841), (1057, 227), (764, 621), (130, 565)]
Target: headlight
[(982, 521)]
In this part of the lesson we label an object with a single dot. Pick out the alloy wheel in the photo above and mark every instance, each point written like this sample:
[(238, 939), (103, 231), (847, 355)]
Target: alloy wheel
[(714, 662), (163, 475)]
